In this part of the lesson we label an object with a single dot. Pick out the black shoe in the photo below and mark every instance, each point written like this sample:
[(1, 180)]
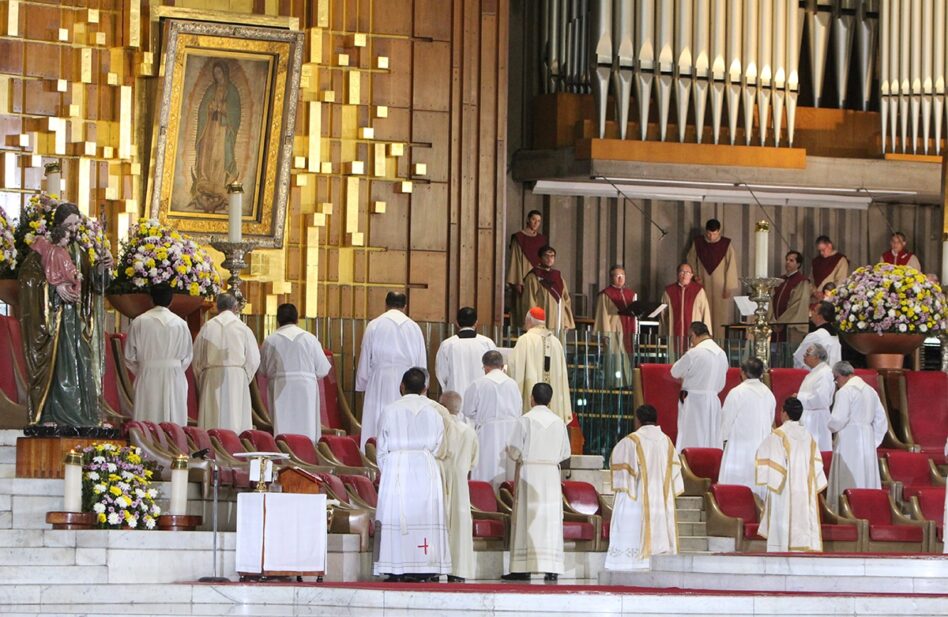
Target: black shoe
[(551, 577), (516, 576), (455, 579), (395, 578)]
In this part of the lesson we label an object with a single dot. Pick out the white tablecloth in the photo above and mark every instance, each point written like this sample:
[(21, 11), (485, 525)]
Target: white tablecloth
[(279, 532)]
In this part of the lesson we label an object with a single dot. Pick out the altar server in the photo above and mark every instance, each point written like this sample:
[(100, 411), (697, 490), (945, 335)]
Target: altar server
[(392, 344), (791, 301), (614, 320), (158, 351), (538, 445), (715, 264), (790, 467), (458, 362), (687, 302), (646, 478), (702, 371), (457, 455), (412, 535), (524, 257), (816, 395), (544, 286), (225, 360), (493, 404), (897, 253), (538, 357), (747, 418), (860, 424), (292, 359), (829, 266), (823, 316)]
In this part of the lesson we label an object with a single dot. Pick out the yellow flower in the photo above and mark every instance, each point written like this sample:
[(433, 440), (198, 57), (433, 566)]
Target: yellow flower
[(115, 490), (114, 477), (150, 263), (129, 271), (181, 269), (34, 224), (194, 289), (134, 459), (101, 517), (161, 253), (148, 473)]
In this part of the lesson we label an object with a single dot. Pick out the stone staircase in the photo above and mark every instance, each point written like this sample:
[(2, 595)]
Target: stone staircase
[(692, 529)]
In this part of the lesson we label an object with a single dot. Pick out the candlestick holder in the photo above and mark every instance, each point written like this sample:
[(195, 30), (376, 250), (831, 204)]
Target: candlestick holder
[(235, 262), (761, 289)]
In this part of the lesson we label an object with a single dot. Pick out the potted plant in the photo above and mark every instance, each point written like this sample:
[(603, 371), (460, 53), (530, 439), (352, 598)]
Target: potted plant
[(116, 487)]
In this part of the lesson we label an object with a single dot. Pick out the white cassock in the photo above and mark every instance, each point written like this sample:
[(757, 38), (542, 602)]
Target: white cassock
[(860, 424), (834, 351), (413, 538), (457, 455), (747, 418), (392, 344), (158, 351), (790, 468), (225, 360), (292, 359), (538, 357), (493, 405), (702, 370), (538, 445), (646, 477), (816, 394), (458, 362)]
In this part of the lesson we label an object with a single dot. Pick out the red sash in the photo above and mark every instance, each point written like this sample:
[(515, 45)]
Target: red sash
[(622, 298), (530, 245), (823, 267), (682, 306), (901, 259), (785, 290), (711, 253), (551, 280)]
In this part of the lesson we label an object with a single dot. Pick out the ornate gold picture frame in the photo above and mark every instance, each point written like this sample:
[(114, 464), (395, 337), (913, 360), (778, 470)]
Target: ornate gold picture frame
[(227, 114)]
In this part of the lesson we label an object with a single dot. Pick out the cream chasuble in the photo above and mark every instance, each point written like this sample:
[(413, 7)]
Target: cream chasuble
[(457, 455), (559, 315), (722, 279), (618, 367), (538, 357)]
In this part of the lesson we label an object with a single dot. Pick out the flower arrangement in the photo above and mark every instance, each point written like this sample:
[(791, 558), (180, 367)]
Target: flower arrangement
[(888, 298), (155, 253), (37, 221), (116, 487), (8, 253)]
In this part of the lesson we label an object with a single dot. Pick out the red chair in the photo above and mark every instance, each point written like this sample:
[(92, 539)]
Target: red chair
[(907, 472), (13, 402), (116, 401), (371, 450), (343, 450), (491, 525), (840, 535), (700, 468), (348, 516), (890, 531), (506, 493), (582, 503), (654, 384), (140, 436), (333, 407), (229, 476), (733, 512), (827, 457), (125, 376), (226, 444), (261, 441), (731, 380), (193, 405), (929, 505), (891, 441), (259, 408), (924, 411), (783, 382), (303, 453), (361, 490)]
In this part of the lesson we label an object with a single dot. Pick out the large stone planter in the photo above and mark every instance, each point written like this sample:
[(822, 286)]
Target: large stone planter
[(884, 351), (134, 304)]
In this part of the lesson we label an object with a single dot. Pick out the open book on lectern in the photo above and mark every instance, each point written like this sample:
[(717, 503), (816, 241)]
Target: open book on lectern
[(644, 309)]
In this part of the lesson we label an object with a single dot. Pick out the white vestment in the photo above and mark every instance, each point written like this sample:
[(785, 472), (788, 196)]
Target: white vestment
[(646, 477), (816, 395), (225, 360), (702, 370), (458, 362), (391, 344), (790, 468), (292, 359), (538, 445), (493, 405), (158, 351), (413, 538), (860, 424), (747, 418), (538, 357), (834, 351), (457, 455)]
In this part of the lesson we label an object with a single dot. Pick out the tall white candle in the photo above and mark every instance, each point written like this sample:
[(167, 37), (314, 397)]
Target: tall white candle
[(762, 253), (235, 211), (53, 180), (72, 490), (179, 486)]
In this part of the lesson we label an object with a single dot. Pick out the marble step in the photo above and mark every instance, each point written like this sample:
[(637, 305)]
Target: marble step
[(689, 503), (690, 516), (692, 544), (692, 529)]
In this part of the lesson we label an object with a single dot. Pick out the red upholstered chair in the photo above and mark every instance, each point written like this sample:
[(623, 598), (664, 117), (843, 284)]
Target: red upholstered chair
[(361, 490), (333, 406), (783, 382), (13, 333), (907, 472), (116, 401), (141, 436), (583, 503), (924, 411), (929, 505), (198, 439), (176, 437), (891, 441), (827, 457), (227, 444), (261, 441), (371, 453), (125, 376), (506, 492), (890, 531), (491, 524), (733, 512), (700, 468), (731, 380), (303, 453), (259, 411), (13, 404), (653, 384), (840, 535), (343, 450)]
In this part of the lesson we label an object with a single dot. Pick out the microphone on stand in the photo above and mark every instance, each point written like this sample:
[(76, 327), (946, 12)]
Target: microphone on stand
[(201, 454)]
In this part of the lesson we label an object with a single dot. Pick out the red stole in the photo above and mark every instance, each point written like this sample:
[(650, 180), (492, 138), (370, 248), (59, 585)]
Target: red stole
[(530, 245), (551, 280), (785, 290), (622, 298), (682, 306), (901, 259), (823, 266), (711, 253)]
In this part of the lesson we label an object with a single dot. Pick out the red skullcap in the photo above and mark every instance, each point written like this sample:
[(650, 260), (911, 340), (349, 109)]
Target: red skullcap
[(538, 313)]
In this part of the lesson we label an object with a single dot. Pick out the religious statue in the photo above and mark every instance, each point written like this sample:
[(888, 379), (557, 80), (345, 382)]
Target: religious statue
[(62, 319), (215, 165)]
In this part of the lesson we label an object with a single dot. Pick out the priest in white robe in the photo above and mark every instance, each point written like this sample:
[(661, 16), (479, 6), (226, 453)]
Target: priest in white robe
[(158, 351), (458, 362), (292, 360), (391, 344), (860, 424), (646, 478), (411, 534), (538, 357), (747, 418), (702, 371), (493, 405), (226, 357), (816, 394), (790, 468), (539, 445), (823, 316), (457, 455)]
